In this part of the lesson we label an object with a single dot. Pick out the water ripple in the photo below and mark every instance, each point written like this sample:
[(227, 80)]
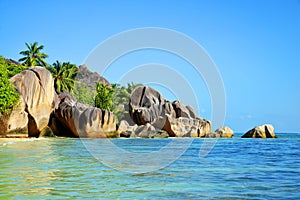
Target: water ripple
[(235, 169)]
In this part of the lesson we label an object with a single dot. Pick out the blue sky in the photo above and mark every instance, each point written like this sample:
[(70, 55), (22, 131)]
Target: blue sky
[(254, 44)]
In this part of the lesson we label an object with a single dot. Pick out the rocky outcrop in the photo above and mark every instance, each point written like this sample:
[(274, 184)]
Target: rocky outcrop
[(37, 100), (89, 78), (223, 132), (8, 60), (149, 131), (146, 105), (149, 106), (183, 126), (18, 120), (41, 112), (183, 111), (142, 131), (263, 131), (74, 119), (124, 129)]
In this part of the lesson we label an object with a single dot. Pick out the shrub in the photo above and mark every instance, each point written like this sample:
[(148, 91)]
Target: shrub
[(8, 95), (104, 96)]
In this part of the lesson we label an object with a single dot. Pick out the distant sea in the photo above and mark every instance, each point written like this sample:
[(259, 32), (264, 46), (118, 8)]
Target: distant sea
[(56, 168)]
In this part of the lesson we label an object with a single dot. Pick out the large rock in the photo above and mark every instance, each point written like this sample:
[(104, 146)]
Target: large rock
[(37, 101), (192, 112), (74, 119), (224, 132), (263, 131), (149, 106), (186, 127), (125, 130), (181, 110), (142, 131), (146, 105)]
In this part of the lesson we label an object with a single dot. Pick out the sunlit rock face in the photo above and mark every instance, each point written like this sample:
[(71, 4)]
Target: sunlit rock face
[(37, 100), (149, 106), (74, 119), (263, 131)]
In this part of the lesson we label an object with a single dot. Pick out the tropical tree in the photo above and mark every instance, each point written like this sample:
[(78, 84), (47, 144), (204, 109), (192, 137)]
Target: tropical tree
[(64, 75), (33, 56), (114, 98), (104, 96)]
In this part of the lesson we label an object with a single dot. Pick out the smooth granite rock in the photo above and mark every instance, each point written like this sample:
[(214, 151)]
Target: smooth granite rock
[(263, 131)]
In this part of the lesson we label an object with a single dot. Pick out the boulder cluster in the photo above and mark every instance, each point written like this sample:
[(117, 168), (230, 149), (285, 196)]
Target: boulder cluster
[(42, 112), (152, 113)]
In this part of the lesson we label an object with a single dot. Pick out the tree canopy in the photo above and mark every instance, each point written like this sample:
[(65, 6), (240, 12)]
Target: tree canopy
[(114, 98), (64, 76), (33, 56)]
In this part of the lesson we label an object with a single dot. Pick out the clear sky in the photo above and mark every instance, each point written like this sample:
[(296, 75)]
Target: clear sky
[(255, 45)]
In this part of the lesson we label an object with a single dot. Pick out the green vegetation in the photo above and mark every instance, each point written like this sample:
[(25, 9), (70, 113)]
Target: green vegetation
[(13, 68), (64, 76), (33, 55), (63, 73), (84, 94), (114, 98), (109, 97), (8, 95), (104, 96), (120, 100)]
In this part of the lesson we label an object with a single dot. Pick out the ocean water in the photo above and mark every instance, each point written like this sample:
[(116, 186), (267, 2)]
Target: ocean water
[(56, 168)]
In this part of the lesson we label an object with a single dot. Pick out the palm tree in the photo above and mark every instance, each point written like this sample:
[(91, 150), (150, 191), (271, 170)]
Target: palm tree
[(33, 55), (64, 76)]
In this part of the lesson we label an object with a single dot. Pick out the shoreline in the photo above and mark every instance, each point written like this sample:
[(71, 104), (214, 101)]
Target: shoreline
[(19, 137)]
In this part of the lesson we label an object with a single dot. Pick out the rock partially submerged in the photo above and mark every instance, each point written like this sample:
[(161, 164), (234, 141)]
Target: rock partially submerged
[(223, 132), (142, 131), (183, 126), (263, 131)]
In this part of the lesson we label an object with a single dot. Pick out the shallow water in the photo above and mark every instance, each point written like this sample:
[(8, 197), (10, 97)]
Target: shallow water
[(237, 168)]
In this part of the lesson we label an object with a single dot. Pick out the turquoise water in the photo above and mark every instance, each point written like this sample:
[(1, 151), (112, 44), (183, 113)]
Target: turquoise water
[(235, 168)]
